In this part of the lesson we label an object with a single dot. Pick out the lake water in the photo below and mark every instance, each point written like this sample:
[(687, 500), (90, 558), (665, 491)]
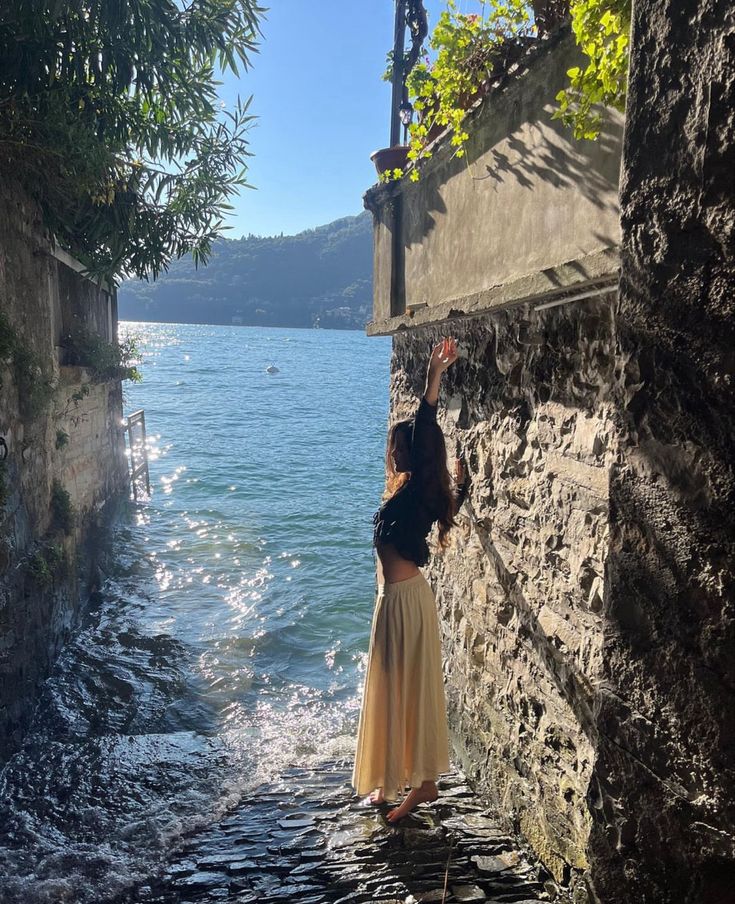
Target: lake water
[(231, 634)]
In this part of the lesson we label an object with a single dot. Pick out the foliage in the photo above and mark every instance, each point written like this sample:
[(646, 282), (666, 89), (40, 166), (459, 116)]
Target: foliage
[(79, 394), (110, 118), (33, 381), (56, 558), (286, 280), (390, 175), (47, 563), (602, 30), (468, 48), (106, 360), (7, 340), (35, 384), (70, 411), (62, 510), (39, 569)]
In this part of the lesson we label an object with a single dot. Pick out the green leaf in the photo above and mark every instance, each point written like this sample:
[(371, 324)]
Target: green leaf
[(117, 127)]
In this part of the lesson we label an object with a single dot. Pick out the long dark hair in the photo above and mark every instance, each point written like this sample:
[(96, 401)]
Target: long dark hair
[(428, 468)]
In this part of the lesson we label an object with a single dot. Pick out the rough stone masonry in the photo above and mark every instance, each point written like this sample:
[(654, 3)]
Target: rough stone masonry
[(662, 797), (587, 596), (521, 587), (68, 443)]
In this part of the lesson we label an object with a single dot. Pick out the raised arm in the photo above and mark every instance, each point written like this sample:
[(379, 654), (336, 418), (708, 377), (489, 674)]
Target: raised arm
[(443, 356)]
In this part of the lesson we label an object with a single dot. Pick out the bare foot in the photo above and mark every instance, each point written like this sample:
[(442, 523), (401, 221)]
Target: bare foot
[(425, 794), (376, 796)]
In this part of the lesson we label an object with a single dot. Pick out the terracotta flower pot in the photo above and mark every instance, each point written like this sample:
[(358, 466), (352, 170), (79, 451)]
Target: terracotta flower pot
[(390, 158)]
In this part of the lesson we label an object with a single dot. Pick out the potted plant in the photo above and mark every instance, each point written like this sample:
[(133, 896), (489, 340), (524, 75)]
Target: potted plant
[(469, 51), (389, 159)]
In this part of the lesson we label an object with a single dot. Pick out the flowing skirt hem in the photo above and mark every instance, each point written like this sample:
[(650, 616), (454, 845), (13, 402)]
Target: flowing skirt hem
[(402, 737)]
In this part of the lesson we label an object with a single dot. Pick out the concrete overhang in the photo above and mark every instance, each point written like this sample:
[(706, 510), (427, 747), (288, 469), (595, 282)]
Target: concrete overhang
[(596, 274), (530, 215)]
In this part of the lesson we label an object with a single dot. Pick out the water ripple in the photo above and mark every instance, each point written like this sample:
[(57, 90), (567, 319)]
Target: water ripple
[(231, 633)]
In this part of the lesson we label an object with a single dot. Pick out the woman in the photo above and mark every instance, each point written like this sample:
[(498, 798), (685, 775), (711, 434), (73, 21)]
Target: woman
[(402, 737)]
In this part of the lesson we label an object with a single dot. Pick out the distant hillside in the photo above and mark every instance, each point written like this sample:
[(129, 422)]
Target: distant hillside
[(319, 277)]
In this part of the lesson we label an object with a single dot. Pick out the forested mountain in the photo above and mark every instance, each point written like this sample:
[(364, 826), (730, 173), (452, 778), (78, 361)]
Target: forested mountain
[(321, 277)]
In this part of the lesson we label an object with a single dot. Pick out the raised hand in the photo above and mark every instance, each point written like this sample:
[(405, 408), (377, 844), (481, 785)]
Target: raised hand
[(443, 355)]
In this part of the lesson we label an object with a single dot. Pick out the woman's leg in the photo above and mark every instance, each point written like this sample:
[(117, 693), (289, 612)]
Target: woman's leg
[(425, 794)]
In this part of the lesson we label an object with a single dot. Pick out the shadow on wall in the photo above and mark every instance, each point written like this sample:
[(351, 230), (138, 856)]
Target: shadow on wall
[(514, 138), (559, 670), (663, 791), (656, 707), (662, 795), (557, 164), (514, 363), (552, 375)]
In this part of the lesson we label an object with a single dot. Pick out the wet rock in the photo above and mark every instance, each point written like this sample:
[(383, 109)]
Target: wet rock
[(422, 837), (310, 856), (468, 893), (489, 865), (200, 879), (322, 855), (183, 868), (299, 821), (459, 791), (242, 866), (213, 861), (293, 892)]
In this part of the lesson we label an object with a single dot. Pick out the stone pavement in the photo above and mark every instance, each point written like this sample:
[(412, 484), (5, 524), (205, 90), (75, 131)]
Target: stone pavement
[(306, 838)]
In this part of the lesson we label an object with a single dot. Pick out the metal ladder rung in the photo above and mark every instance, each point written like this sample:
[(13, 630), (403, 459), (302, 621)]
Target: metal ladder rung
[(138, 468)]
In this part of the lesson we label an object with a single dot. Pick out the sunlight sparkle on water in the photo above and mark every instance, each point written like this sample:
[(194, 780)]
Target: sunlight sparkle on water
[(215, 663)]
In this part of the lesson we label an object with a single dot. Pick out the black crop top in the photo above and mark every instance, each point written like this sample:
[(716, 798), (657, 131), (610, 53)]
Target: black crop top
[(405, 519)]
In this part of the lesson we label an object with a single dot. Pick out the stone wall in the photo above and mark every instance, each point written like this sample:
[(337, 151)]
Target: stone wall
[(663, 789), (62, 433), (521, 587)]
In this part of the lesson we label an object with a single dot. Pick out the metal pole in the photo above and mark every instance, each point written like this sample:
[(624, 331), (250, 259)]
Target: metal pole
[(145, 453), (397, 81), (590, 293), (129, 432)]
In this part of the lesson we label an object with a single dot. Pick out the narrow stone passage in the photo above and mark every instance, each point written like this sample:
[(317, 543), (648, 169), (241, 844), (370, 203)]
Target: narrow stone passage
[(306, 838)]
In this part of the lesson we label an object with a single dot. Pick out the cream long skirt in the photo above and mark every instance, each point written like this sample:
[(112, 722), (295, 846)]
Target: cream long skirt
[(402, 738)]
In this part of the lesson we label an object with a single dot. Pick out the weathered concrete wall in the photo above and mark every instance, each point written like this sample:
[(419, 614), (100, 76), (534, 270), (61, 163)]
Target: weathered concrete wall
[(521, 586), (59, 429), (663, 789), (494, 227)]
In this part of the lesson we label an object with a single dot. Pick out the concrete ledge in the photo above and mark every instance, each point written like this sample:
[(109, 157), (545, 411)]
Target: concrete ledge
[(598, 271), (63, 257)]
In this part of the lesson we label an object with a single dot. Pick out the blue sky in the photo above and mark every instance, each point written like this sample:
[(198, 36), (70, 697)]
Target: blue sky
[(322, 109)]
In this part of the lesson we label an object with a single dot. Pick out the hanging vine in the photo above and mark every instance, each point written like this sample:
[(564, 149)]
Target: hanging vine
[(468, 50), (602, 30)]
